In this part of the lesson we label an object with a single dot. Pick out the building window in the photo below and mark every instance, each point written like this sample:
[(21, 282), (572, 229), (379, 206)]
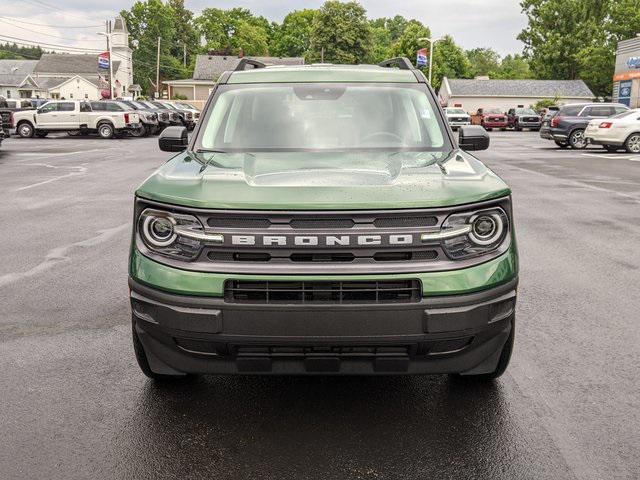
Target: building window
[(8, 93), (86, 95), (71, 95)]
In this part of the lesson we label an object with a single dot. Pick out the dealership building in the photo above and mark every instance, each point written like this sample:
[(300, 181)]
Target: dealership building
[(626, 78)]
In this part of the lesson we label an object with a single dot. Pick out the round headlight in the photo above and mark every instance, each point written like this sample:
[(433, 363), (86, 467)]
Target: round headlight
[(159, 231), (486, 229)]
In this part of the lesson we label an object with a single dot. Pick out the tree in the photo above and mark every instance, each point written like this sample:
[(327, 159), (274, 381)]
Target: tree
[(512, 67), (146, 21), (408, 43), (395, 26), (186, 34), (234, 29), (566, 39), (293, 37), (381, 44), (483, 61), (342, 31), (449, 60)]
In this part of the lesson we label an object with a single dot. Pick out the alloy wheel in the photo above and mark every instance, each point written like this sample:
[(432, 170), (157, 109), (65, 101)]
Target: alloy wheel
[(577, 140), (633, 143)]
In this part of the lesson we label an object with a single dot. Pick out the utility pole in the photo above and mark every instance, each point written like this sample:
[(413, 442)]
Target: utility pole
[(158, 71), (109, 42), (184, 55), (431, 42), (322, 55)]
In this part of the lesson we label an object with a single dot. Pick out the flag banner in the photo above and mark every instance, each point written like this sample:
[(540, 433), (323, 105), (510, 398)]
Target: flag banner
[(103, 60), (421, 60)]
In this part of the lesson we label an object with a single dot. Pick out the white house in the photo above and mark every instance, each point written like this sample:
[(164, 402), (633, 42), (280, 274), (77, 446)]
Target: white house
[(13, 77), (71, 76), (505, 94)]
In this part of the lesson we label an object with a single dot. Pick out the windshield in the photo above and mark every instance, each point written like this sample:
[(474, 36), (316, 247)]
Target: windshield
[(525, 111), (492, 110), (456, 111), (186, 105), (320, 117), (162, 105)]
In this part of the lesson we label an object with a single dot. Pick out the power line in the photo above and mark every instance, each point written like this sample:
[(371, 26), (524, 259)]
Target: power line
[(47, 34), (50, 45), (40, 4), (47, 25)]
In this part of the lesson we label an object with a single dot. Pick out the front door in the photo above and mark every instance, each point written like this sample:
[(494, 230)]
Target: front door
[(47, 115)]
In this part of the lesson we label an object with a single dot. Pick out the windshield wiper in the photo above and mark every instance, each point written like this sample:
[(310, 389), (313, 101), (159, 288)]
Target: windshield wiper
[(210, 150)]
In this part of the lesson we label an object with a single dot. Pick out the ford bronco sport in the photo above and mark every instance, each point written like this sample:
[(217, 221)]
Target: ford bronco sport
[(323, 220)]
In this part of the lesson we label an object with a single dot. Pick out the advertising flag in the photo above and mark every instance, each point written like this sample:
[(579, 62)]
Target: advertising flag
[(103, 60), (422, 57)]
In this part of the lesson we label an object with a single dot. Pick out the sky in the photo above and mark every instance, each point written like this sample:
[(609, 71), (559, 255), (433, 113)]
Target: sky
[(472, 23)]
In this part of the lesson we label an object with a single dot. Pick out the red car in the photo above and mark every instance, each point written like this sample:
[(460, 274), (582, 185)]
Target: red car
[(491, 118)]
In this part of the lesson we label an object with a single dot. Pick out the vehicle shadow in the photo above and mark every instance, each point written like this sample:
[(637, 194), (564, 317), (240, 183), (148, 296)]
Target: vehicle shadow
[(319, 427)]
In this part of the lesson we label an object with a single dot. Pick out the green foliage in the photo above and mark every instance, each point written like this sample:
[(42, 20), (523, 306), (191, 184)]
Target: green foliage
[(186, 33), (342, 31), (293, 37), (512, 67), (234, 30), (381, 47), (146, 21), (179, 96), (545, 103), (483, 61), (407, 45), (15, 52), (569, 39), (449, 60)]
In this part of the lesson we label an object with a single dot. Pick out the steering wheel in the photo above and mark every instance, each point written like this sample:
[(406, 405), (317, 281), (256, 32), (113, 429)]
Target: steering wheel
[(373, 135)]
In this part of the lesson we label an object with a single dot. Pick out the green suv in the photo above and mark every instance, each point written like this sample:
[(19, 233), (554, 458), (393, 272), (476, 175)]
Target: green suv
[(323, 219)]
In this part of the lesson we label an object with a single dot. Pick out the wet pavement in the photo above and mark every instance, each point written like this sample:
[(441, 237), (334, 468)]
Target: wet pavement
[(74, 404)]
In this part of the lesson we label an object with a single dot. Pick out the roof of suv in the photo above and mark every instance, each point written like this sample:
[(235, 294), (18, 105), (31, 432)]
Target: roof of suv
[(323, 73)]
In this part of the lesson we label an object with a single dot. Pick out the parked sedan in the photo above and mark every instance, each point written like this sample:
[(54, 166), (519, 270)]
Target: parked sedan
[(457, 117), (568, 126), (519, 118), (621, 131)]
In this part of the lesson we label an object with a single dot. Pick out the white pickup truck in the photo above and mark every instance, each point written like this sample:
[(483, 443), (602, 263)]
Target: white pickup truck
[(73, 116)]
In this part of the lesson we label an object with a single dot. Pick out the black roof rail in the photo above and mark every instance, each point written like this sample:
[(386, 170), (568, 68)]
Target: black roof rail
[(403, 63), (242, 64)]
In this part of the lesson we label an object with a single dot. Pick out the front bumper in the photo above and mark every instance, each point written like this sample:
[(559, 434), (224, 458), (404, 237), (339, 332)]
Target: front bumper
[(495, 124), (529, 124), (442, 333)]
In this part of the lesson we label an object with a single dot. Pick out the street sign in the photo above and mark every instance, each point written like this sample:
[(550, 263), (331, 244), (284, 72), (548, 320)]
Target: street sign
[(421, 60), (103, 60)]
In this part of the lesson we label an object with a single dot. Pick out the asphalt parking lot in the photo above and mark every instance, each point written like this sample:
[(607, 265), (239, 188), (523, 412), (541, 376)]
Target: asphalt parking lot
[(75, 405)]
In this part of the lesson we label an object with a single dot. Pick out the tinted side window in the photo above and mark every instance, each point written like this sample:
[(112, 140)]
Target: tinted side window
[(85, 107), (114, 107), (570, 111), (620, 110), (604, 111), (98, 106), (66, 107), (49, 107)]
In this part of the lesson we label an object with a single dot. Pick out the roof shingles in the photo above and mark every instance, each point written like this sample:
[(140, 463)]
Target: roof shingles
[(520, 88), (210, 67)]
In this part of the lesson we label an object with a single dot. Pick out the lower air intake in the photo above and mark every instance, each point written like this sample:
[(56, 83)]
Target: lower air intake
[(348, 292)]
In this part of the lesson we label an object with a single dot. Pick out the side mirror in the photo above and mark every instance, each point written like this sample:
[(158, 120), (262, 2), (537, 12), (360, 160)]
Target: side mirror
[(173, 139), (473, 137)]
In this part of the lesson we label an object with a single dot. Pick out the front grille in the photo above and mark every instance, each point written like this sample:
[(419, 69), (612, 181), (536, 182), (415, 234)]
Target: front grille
[(322, 292), (238, 222), (311, 257), (399, 222)]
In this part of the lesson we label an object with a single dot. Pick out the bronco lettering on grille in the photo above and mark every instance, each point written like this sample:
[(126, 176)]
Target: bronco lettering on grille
[(320, 240)]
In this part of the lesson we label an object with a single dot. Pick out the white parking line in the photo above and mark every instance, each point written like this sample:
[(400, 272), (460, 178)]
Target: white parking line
[(79, 170), (631, 158)]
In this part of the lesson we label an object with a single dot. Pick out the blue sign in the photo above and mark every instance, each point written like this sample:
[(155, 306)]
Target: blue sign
[(103, 60), (633, 62), (421, 60), (624, 92)]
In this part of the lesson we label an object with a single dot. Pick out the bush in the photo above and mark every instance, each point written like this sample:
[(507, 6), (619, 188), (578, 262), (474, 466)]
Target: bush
[(178, 96), (545, 103)]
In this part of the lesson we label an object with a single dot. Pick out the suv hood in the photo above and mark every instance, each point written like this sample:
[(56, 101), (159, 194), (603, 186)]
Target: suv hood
[(314, 181)]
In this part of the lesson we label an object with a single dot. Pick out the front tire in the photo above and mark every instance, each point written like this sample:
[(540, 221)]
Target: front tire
[(25, 130), (105, 130), (141, 131), (632, 143), (577, 139)]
